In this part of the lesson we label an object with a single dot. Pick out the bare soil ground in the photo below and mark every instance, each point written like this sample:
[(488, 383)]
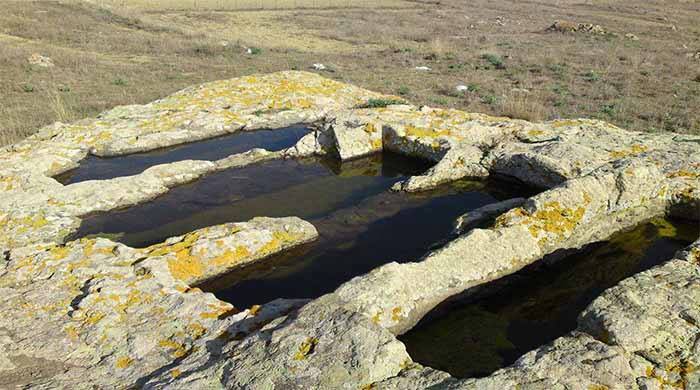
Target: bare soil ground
[(112, 52)]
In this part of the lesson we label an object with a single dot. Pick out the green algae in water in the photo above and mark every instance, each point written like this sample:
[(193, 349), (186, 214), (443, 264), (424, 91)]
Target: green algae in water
[(491, 329)]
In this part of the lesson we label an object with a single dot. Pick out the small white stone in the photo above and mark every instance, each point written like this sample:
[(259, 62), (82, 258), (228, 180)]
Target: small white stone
[(423, 68), (319, 66)]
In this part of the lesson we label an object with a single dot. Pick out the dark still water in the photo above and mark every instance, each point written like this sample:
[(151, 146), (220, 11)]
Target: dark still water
[(98, 168), (361, 224), (497, 325)]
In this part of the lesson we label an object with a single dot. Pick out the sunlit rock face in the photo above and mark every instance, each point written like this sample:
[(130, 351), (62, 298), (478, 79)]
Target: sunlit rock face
[(93, 311)]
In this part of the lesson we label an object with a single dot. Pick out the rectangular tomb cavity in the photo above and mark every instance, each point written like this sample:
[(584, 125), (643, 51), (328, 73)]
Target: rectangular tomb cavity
[(492, 327), (361, 224), (99, 168)]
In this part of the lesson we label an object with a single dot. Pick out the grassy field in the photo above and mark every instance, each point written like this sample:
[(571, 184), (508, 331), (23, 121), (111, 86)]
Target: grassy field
[(229, 5), (112, 52)]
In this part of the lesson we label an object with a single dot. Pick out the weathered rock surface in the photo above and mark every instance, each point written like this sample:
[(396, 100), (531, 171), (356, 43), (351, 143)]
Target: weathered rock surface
[(94, 312), (213, 251), (474, 217)]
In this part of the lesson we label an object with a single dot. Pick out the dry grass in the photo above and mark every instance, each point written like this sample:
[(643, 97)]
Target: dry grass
[(138, 50), (229, 5)]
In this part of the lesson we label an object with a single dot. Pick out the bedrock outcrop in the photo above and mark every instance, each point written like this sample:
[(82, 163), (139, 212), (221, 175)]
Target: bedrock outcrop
[(90, 312)]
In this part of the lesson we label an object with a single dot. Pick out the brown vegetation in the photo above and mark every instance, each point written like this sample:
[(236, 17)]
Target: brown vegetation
[(112, 52)]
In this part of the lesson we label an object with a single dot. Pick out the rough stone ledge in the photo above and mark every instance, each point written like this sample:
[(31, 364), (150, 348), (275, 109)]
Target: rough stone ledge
[(113, 316)]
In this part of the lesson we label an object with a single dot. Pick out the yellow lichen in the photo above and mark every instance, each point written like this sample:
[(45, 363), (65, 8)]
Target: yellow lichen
[(554, 219), (175, 373), (254, 310), (196, 330), (420, 132), (695, 254), (218, 311), (176, 349), (306, 348), (279, 240), (231, 257), (396, 314), (72, 332), (376, 318), (94, 317), (123, 362), (510, 216), (59, 252), (185, 266), (632, 151), (684, 173)]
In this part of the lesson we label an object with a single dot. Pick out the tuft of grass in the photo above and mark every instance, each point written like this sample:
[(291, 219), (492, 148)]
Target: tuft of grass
[(403, 90), (489, 99), (61, 110), (440, 100), (494, 60), (380, 103), (119, 81), (591, 76), (254, 50), (609, 109), (559, 69), (28, 88), (523, 106)]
